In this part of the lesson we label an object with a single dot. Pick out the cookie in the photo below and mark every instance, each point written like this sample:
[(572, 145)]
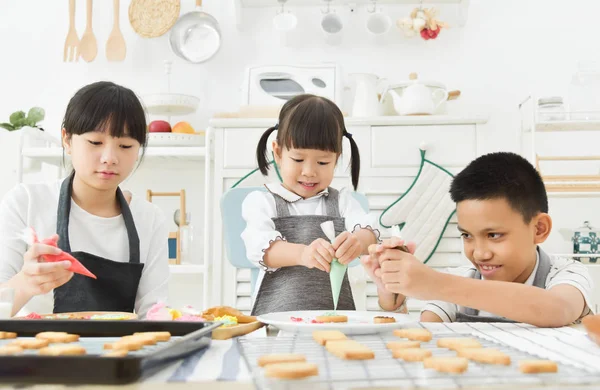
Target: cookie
[(456, 343), (411, 354), (332, 318), (116, 353), (384, 320), (280, 358), (349, 350), (128, 345), (158, 336), (403, 344), (10, 350), (484, 355), (455, 365), (63, 350), (323, 336), (142, 339), (295, 370), (537, 366), (417, 334), (7, 335), (58, 337), (30, 343)]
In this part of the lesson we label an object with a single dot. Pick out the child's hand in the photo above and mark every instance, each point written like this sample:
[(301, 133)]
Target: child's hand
[(402, 272), (347, 247), (373, 269), (318, 254), (38, 277)]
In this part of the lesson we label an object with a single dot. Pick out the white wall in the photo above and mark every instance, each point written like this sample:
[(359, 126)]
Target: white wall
[(507, 50)]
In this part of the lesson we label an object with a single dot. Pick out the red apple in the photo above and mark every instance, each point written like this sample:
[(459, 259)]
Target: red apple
[(159, 127)]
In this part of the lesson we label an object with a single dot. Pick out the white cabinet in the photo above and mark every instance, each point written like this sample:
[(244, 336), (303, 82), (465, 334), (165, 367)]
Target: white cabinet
[(390, 158)]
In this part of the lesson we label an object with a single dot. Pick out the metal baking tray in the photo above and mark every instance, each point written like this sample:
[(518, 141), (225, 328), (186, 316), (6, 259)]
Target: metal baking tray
[(93, 368)]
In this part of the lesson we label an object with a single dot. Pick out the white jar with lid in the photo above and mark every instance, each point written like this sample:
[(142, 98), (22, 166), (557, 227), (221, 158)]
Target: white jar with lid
[(584, 96), (551, 109)]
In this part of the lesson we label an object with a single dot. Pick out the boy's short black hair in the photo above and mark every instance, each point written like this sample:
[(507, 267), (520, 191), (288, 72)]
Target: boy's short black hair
[(502, 175)]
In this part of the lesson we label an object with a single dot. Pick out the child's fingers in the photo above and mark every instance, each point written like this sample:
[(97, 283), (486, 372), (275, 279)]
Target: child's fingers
[(391, 266), (35, 268), (412, 247), (390, 243), (55, 283), (339, 240), (393, 287), (324, 265), (325, 254), (37, 250), (343, 249), (391, 254)]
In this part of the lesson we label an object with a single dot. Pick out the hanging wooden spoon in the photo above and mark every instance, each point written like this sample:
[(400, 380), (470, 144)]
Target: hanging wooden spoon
[(115, 46), (88, 47)]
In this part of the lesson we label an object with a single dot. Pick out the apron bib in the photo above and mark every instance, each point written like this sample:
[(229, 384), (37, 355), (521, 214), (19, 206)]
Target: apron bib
[(117, 283), (300, 288)]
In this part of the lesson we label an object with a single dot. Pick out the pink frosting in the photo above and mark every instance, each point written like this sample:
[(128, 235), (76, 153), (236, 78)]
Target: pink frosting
[(190, 318), (159, 312)]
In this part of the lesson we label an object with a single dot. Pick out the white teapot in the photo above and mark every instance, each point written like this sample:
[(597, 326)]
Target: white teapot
[(417, 98)]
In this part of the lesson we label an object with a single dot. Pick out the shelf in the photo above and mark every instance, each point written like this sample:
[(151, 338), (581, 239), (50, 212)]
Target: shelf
[(455, 11), (425, 120), (55, 156), (576, 254), (188, 269), (295, 3), (561, 126)]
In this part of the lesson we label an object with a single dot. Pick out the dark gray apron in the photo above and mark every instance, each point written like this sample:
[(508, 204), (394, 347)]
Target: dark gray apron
[(466, 314), (117, 283), (300, 288)]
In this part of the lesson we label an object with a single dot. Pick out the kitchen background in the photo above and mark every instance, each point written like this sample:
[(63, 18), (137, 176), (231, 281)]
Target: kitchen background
[(506, 51)]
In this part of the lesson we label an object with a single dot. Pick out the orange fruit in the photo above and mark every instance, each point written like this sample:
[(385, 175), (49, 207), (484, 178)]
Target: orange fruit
[(183, 127)]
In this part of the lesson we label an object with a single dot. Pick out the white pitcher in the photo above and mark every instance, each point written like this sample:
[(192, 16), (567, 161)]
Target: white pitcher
[(366, 98)]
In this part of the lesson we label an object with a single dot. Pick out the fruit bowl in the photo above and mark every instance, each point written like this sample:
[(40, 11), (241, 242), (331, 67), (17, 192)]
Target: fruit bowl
[(170, 104), (176, 139)]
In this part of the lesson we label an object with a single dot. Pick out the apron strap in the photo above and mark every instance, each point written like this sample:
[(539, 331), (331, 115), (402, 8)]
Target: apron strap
[(332, 203), (64, 212), (281, 205)]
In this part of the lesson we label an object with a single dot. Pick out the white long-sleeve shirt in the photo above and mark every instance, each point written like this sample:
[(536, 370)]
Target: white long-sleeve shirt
[(35, 205)]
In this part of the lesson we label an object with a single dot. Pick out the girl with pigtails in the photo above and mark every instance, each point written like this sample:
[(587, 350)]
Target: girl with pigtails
[(283, 234)]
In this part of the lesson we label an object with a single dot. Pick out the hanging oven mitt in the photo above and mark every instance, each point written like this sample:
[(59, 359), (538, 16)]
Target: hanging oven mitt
[(30, 237), (338, 270), (422, 213)]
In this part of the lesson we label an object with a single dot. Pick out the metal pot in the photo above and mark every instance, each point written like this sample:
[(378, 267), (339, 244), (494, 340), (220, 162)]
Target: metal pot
[(196, 37)]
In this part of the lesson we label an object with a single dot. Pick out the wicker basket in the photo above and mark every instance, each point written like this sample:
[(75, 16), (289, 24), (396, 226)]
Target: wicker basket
[(153, 18)]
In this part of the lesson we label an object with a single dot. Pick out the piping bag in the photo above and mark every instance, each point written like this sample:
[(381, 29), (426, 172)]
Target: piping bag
[(337, 272), (30, 237)]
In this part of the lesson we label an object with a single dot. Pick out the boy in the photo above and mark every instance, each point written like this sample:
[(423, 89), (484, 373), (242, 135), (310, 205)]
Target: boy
[(502, 211)]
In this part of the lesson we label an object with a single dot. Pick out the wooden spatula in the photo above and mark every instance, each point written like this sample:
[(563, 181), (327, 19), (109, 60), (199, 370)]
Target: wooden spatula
[(88, 47), (115, 46)]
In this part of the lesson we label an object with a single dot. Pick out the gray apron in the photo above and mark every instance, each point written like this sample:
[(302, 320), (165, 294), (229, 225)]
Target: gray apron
[(300, 288), (117, 283), (466, 314)]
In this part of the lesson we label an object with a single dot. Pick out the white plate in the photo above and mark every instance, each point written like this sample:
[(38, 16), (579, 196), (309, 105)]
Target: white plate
[(359, 322)]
